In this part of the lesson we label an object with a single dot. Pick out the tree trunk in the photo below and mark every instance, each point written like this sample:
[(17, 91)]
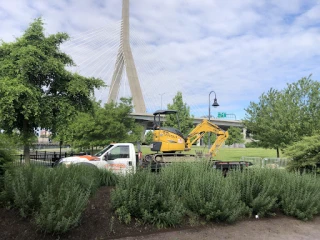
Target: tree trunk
[(278, 154), (92, 151), (26, 147)]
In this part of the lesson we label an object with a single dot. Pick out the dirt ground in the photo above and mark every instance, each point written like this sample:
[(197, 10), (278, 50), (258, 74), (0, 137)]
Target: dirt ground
[(281, 228), (99, 223)]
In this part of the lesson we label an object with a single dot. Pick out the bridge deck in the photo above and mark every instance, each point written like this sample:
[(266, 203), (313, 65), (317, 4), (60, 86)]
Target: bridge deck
[(147, 119)]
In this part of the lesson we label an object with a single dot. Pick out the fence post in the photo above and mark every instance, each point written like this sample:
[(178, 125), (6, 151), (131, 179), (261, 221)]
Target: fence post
[(36, 155)]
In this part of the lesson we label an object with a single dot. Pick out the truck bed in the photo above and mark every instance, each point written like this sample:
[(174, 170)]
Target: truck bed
[(216, 164)]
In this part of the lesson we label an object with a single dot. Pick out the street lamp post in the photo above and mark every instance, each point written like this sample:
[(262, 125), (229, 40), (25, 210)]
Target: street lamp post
[(161, 98), (215, 104)]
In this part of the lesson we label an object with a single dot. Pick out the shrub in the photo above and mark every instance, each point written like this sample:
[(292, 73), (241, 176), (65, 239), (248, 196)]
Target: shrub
[(305, 153), (56, 197), (164, 198), (179, 176), (61, 208), (144, 196), (196, 189), (215, 197), (300, 195), (23, 187), (87, 177), (260, 189), (7, 150), (204, 191), (107, 178), (5, 158)]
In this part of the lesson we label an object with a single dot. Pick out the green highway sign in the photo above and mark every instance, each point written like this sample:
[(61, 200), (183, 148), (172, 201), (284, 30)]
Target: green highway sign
[(222, 114)]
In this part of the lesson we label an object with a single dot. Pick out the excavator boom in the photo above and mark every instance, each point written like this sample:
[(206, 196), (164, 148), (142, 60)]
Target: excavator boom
[(204, 127)]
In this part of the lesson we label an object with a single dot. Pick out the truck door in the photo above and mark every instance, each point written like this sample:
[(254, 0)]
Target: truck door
[(118, 160)]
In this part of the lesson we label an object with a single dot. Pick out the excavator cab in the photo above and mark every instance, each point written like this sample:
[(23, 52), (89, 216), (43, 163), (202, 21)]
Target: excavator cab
[(166, 139)]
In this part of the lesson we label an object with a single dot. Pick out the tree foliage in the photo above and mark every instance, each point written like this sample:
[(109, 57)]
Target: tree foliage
[(149, 137), (305, 153), (107, 124), (36, 89), (205, 138), (235, 136), (183, 110), (8, 147), (283, 117)]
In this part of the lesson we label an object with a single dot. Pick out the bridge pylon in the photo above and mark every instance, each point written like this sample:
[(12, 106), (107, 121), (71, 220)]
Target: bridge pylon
[(125, 60)]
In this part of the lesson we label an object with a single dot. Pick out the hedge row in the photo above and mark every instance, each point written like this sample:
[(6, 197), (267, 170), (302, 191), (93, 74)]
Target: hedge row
[(166, 198), (57, 197)]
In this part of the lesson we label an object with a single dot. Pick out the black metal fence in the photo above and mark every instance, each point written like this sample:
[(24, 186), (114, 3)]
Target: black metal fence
[(44, 158)]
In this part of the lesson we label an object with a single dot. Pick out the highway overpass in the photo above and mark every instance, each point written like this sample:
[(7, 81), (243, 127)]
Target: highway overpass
[(146, 119)]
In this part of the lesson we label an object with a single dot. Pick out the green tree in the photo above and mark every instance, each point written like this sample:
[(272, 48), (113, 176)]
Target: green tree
[(213, 138), (107, 124), (304, 153), (183, 110), (8, 147), (36, 89), (235, 136), (283, 117), (149, 137)]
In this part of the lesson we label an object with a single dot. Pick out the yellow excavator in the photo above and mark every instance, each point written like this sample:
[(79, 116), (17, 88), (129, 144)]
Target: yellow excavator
[(169, 142)]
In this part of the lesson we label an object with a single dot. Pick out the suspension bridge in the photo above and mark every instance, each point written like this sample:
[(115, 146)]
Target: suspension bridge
[(133, 66)]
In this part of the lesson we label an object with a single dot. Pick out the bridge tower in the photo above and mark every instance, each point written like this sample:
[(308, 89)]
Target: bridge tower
[(125, 59)]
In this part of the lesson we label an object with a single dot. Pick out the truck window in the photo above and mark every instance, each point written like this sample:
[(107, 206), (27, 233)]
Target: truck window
[(98, 154), (119, 152)]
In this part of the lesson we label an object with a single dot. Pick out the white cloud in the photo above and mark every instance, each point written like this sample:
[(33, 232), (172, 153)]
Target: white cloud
[(239, 49)]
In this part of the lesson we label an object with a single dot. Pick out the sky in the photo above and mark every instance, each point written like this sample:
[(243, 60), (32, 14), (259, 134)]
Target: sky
[(238, 49)]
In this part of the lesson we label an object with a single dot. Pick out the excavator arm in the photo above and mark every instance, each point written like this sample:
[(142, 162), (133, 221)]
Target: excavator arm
[(202, 128)]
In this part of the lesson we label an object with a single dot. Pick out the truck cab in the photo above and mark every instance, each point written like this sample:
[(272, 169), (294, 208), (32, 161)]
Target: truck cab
[(118, 157)]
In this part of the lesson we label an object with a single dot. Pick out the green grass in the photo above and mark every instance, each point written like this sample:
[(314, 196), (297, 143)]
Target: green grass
[(237, 153), (232, 154)]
